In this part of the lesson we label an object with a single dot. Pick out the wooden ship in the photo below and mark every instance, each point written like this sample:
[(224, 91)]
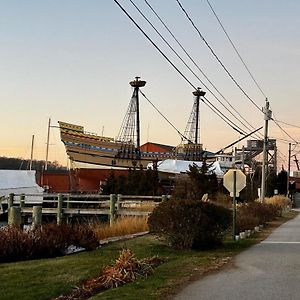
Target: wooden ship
[(94, 151)]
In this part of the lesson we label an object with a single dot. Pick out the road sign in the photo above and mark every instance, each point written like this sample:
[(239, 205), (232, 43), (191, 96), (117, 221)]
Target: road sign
[(228, 181)]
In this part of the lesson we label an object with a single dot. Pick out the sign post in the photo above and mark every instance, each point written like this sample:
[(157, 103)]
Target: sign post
[(234, 207), (234, 181)]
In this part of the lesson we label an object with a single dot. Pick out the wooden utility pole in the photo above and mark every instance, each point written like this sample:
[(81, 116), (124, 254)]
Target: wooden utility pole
[(289, 169), (267, 116)]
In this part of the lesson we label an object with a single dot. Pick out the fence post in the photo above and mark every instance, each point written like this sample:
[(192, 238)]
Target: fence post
[(112, 208), (119, 200), (22, 201), (10, 201), (68, 200), (14, 216), (59, 215), (36, 217)]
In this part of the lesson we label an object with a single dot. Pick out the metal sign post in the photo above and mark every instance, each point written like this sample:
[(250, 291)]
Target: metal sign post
[(234, 181), (234, 206)]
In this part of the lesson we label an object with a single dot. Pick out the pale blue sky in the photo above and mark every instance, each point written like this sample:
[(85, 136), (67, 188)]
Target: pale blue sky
[(72, 60)]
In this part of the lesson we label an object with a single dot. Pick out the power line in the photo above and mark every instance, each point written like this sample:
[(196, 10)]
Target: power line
[(150, 40), (235, 49), (188, 67), (197, 66), (216, 57), (289, 124), (284, 131), (214, 54), (172, 64)]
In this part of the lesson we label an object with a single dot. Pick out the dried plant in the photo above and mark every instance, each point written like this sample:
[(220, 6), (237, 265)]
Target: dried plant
[(127, 268), (122, 226)]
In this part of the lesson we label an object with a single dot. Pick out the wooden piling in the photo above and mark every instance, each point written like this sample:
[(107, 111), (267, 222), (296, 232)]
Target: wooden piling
[(36, 217), (10, 201), (112, 208), (14, 216)]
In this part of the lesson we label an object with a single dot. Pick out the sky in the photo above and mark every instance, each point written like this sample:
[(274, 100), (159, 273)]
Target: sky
[(72, 60)]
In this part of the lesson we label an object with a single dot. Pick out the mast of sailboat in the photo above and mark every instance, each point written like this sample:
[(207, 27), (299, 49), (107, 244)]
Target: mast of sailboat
[(47, 147), (31, 152), (137, 84), (198, 93)]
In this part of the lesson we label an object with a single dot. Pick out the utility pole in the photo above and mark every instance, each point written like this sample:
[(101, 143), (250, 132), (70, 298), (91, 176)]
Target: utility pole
[(47, 147), (267, 116), (289, 169)]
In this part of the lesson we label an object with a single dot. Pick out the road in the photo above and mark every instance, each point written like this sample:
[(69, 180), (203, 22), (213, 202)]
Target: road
[(269, 270)]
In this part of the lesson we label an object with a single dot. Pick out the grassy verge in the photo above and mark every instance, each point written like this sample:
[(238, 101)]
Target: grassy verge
[(46, 278)]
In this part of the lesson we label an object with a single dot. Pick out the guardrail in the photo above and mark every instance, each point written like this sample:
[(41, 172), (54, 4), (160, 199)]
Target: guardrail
[(68, 205)]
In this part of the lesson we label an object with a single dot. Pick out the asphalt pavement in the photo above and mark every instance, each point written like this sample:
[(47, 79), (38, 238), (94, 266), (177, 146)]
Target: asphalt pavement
[(268, 270)]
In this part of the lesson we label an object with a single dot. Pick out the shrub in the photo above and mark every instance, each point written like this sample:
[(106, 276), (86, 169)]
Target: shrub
[(222, 199), (16, 244), (283, 203), (48, 241), (85, 237), (262, 211), (245, 221), (190, 223)]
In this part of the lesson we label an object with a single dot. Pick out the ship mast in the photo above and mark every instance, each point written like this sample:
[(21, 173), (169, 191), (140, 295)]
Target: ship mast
[(129, 134), (193, 148), (192, 130)]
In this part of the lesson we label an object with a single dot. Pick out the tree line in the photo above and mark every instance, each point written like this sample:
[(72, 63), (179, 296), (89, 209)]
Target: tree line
[(11, 163)]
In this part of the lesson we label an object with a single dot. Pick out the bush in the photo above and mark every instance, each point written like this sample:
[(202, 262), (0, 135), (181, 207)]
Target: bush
[(245, 221), (262, 211), (48, 241), (190, 224), (84, 236), (16, 244), (283, 203)]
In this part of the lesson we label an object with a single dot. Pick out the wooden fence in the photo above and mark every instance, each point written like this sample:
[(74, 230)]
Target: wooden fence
[(68, 205)]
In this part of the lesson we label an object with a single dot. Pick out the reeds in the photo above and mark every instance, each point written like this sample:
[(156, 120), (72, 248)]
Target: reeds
[(122, 226)]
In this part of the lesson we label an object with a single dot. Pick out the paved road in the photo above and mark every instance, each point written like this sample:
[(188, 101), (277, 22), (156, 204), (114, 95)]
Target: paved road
[(269, 270)]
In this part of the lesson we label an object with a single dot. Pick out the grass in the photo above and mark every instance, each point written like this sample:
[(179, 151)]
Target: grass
[(122, 226), (48, 278)]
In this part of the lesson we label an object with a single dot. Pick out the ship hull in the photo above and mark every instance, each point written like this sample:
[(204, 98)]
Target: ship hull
[(100, 151)]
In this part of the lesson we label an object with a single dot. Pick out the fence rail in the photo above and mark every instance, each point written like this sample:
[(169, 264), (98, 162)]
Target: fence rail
[(68, 205)]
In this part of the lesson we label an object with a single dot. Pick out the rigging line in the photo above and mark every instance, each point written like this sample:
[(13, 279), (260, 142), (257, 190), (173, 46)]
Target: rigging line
[(160, 51), (216, 57), (189, 68), (201, 71), (235, 48), (156, 47), (180, 134)]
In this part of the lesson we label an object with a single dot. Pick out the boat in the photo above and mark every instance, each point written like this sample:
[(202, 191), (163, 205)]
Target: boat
[(89, 150)]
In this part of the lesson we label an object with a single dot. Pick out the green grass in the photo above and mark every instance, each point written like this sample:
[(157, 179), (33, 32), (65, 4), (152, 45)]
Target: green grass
[(47, 278)]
